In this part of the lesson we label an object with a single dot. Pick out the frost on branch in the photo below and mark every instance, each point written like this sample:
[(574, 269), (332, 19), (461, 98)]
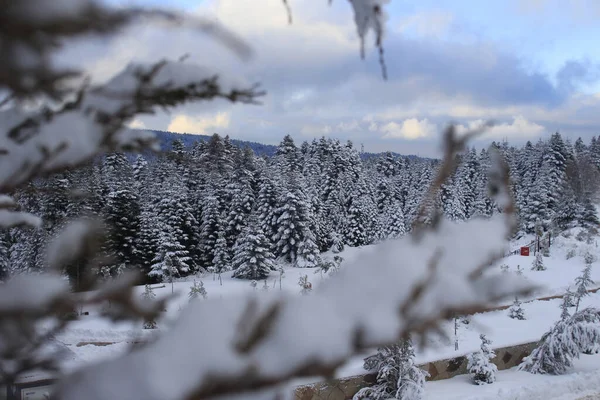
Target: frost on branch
[(415, 284)]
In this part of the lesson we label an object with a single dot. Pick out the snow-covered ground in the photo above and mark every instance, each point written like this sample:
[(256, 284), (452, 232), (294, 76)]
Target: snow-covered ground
[(583, 380), (502, 330)]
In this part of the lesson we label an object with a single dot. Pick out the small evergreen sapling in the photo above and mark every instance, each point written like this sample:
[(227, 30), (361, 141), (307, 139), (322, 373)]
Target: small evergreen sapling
[(519, 270), (481, 369), (538, 262), (397, 375), (304, 284), (149, 295), (196, 290), (516, 311)]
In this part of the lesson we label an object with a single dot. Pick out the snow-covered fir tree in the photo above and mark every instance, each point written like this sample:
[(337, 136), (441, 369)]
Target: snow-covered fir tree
[(516, 310), (253, 258), (538, 262), (564, 307), (582, 283), (322, 196), (397, 375), (479, 364), (222, 259), (149, 295), (568, 338)]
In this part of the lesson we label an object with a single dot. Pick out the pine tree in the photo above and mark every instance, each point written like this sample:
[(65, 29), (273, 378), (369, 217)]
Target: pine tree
[(397, 375), (588, 217), (481, 369), (538, 262), (241, 203), (582, 283), (123, 216), (564, 307), (293, 222), (394, 223), (565, 341), (211, 227), (308, 252), (4, 256), (516, 311), (266, 206), (253, 258), (222, 260), (149, 295)]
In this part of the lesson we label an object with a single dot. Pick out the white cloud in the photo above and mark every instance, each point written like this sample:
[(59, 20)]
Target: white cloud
[(520, 128), (410, 129), (316, 130), (136, 124), (348, 126), (187, 124)]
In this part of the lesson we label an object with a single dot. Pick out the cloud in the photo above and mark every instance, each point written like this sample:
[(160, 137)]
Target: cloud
[(136, 124), (185, 124), (316, 130), (317, 85), (520, 128), (410, 129)]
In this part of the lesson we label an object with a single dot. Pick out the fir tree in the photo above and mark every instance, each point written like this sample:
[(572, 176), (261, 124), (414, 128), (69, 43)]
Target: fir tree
[(564, 307), (4, 256), (582, 283), (253, 258), (397, 375), (481, 369), (538, 262), (308, 253), (516, 311), (221, 260), (565, 341), (149, 295), (211, 227)]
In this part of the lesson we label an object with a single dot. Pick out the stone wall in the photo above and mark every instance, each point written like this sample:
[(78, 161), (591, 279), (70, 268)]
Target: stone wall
[(345, 388)]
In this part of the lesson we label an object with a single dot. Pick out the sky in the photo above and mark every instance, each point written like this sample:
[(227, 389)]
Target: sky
[(532, 66)]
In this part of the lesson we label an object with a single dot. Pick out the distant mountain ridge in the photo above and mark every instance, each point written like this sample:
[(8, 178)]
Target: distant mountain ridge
[(260, 149)]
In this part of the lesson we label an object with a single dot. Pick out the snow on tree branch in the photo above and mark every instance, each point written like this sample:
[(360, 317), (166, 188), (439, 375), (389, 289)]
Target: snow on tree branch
[(242, 346), (31, 30), (9, 218), (49, 140)]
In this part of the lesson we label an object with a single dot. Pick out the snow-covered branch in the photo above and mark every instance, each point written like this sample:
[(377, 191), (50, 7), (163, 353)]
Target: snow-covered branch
[(50, 141), (31, 30)]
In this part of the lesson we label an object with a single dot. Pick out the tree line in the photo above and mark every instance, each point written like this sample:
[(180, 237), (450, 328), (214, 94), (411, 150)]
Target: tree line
[(214, 206)]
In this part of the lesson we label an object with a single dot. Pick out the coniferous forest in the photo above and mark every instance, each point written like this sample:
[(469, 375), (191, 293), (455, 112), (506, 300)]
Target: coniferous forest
[(216, 207)]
